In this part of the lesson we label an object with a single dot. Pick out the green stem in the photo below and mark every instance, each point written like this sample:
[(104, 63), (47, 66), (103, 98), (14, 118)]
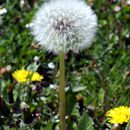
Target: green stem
[(30, 127), (62, 91)]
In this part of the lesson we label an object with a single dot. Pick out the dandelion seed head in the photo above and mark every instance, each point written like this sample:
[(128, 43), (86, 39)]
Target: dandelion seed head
[(62, 25)]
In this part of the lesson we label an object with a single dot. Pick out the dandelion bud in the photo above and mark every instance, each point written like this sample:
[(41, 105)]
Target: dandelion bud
[(26, 113), (24, 106), (80, 103), (36, 59)]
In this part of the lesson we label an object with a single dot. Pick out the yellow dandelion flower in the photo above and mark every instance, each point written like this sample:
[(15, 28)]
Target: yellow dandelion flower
[(118, 115), (36, 77), (26, 76), (20, 75)]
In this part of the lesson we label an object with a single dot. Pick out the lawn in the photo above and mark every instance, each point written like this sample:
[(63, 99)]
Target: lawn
[(97, 78)]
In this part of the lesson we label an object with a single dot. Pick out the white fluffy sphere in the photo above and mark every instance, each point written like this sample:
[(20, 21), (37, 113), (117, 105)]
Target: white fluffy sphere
[(63, 25)]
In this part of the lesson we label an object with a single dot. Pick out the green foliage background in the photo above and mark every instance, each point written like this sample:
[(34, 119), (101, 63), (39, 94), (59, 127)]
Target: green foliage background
[(97, 78)]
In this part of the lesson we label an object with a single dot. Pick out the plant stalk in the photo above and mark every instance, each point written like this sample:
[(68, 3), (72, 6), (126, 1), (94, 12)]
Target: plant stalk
[(62, 91)]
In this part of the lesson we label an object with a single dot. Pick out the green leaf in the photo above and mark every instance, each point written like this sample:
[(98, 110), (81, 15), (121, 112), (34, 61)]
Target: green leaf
[(128, 126), (70, 102), (86, 123), (78, 88), (75, 126), (48, 127), (13, 129), (101, 95), (6, 127), (75, 111)]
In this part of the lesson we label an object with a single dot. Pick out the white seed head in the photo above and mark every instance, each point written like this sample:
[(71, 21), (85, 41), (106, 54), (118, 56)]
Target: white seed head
[(63, 25)]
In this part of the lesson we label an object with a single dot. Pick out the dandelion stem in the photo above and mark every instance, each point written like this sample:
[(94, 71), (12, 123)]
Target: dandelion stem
[(62, 91)]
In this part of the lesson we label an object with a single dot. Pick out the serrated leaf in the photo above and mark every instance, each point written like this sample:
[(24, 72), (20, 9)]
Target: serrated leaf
[(85, 123), (75, 111), (70, 102)]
